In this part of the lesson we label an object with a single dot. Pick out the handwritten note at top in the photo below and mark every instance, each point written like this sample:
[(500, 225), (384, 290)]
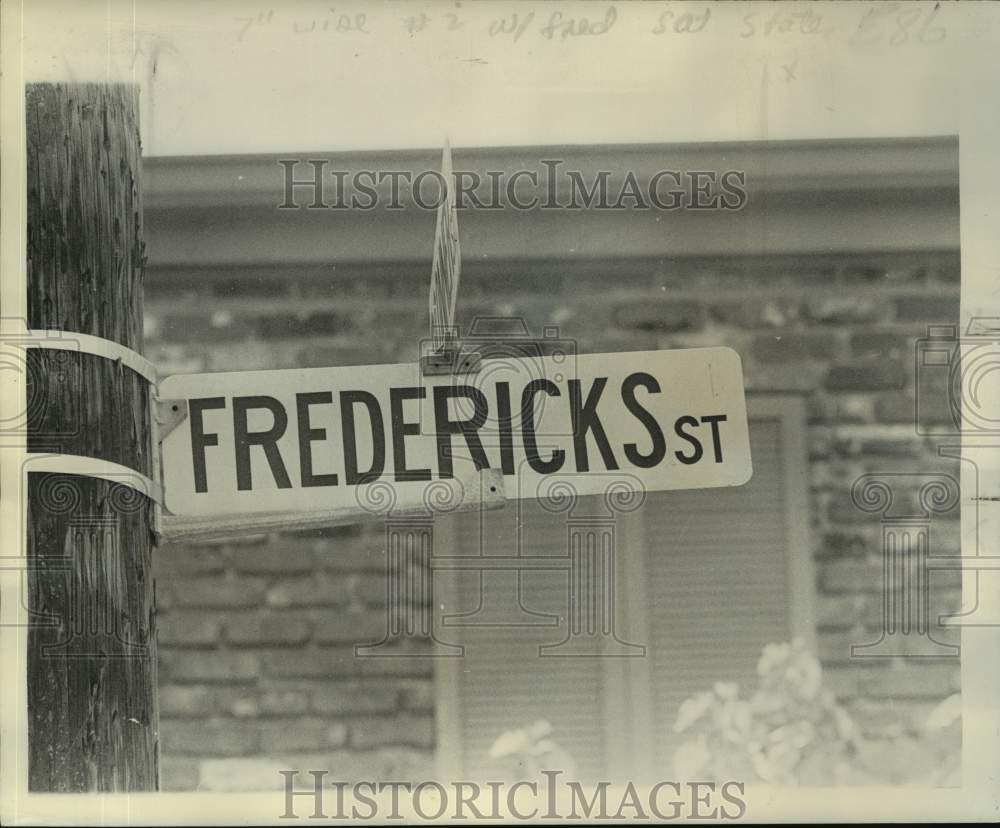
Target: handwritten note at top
[(884, 24)]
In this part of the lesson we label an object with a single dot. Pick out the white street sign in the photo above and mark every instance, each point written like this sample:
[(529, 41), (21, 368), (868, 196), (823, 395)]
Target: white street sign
[(313, 439)]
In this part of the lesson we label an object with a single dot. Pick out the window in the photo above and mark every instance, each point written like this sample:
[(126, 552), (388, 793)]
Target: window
[(704, 580)]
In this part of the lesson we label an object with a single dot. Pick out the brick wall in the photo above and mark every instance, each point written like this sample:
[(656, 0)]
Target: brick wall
[(256, 670)]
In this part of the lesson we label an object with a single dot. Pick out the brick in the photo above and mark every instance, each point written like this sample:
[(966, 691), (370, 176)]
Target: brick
[(282, 702), (852, 408), (395, 763), (899, 274), (197, 666), (203, 327), (398, 319), (273, 628), (244, 356), (840, 473), (866, 375), (867, 577), (355, 555), (836, 647), (933, 411), (818, 443), (279, 326), (239, 774), (337, 734), (660, 314), (217, 592), (945, 600), (308, 663), (894, 469), (859, 274), (174, 359), (842, 510), (946, 539), (199, 701), (247, 287), (173, 286), (369, 589), (287, 735), (897, 407), (372, 732), (217, 737), (950, 272), (186, 701), (610, 341), (419, 696), (942, 310), (178, 773), (798, 376), (364, 627), (874, 343), (751, 313), (847, 445), (172, 558), (848, 545), (820, 409), (311, 591), (182, 628), (794, 346), (324, 323), (852, 576), (839, 612), (278, 556), (339, 534), (941, 600), (355, 697), (821, 476), (892, 447), (343, 663), (843, 309), (242, 705), (332, 355)]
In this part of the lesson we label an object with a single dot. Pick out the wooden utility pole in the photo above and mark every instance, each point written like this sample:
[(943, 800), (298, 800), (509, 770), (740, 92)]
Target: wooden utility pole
[(92, 713)]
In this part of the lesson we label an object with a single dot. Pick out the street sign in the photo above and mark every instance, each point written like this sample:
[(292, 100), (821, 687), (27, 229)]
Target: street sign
[(312, 439), (446, 267)]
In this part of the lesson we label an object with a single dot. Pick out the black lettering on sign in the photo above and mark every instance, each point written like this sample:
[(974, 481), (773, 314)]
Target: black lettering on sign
[(714, 420), (401, 430), (506, 432), (199, 439), (584, 418), (445, 426), (268, 440), (309, 435), (555, 462), (351, 474), (697, 450), (659, 447)]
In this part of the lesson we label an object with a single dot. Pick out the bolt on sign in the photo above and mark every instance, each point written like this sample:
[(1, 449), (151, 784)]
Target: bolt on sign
[(307, 440), (446, 266)]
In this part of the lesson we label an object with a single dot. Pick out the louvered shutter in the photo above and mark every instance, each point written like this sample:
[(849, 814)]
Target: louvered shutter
[(502, 681), (717, 583), (714, 588)]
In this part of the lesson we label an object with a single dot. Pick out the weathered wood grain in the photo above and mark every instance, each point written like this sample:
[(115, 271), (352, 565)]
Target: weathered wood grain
[(92, 710)]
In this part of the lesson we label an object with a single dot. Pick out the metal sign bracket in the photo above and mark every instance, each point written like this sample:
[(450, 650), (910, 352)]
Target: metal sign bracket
[(169, 415), (451, 359)]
